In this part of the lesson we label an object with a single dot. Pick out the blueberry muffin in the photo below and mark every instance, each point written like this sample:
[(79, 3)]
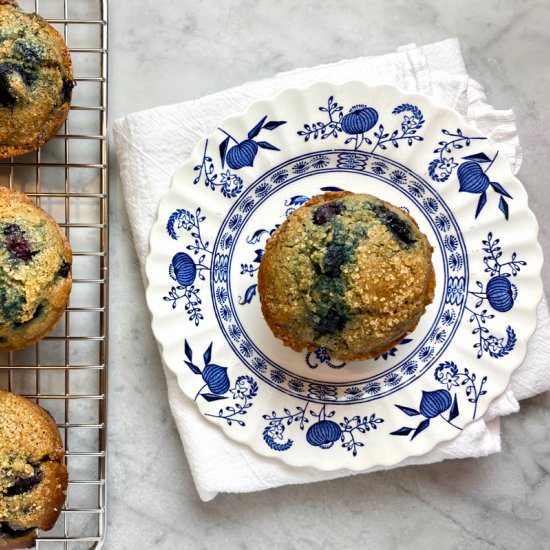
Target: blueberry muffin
[(33, 477), (36, 80), (348, 272), (35, 271)]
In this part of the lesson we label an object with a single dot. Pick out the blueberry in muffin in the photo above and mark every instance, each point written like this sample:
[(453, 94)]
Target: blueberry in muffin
[(33, 477), (348, 272), (36, 80), (35, 271)]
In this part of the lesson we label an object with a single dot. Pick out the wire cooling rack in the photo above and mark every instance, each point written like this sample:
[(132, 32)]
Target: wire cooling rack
[(66, 372)]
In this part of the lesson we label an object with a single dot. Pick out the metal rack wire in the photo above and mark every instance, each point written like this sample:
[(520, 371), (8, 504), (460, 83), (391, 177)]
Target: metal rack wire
[(66, 372)]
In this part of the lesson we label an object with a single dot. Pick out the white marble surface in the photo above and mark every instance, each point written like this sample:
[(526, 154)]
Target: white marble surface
[(169, 51)]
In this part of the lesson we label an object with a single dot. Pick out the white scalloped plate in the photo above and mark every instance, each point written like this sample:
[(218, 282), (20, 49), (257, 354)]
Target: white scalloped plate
[(308, 409)]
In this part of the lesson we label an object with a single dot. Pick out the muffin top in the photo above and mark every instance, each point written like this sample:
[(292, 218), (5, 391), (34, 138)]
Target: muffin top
[(36, 80), (33, 478), (348, 272), (35, 270)]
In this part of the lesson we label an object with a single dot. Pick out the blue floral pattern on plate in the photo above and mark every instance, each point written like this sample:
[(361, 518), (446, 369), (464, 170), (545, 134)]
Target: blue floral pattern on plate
[(311, 409)]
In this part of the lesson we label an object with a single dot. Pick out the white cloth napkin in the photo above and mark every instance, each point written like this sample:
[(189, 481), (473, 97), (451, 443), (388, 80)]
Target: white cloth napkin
[(152, 144)]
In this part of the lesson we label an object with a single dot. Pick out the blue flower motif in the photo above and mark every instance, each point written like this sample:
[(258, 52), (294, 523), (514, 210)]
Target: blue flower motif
[(416, 190), (410, 123), (259, 364), (447, 164), (296, 385), (246, 349), (235, 221), (439, 336), (442, 223), (279, 177), (235, 332), (447, 374), (425, 353), (221, 295), (494, 345), (245, 388), (226, 241), (247, 205), (430, 204), (410, 367), (379, 168), (448, 317), (451, 242), (372, 388), (232, 185), (455, 261), (225, 313), (263, 189), (392, 379), (300, 167), (320, 161), (398, 176), (278, 376), (353, 393), (277, 430)]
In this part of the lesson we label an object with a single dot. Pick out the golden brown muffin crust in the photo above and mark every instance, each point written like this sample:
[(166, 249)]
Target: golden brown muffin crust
[(34, 289), (36, 81), (33, 477), (373, 290)]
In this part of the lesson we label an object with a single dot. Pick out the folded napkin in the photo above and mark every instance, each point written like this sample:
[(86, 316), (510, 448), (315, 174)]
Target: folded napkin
[(152, 144)]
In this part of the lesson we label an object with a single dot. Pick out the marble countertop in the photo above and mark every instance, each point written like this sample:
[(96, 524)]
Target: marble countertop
[(169, 51)]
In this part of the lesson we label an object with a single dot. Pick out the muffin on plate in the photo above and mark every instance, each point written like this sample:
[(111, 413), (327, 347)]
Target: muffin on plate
[(36, 80), (348, 272), (35, 271), (33, 477)]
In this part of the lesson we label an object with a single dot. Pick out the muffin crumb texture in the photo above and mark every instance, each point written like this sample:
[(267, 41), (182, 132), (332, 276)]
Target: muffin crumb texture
[(36, 81), (33, 477), (35, 271), (348, 272)]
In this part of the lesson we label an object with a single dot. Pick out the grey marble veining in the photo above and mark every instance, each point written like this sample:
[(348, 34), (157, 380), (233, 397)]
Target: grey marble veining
[(169, 51)]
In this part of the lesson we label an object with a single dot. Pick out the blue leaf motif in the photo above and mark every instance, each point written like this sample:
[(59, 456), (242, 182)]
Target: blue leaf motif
[(248, 295), (223, 149), (207, 355), (408, 410), (499, 189), (272, 124), (402, 431), (257, 129), (188, 351), (421, 427), (194, 368), (503, 207), (266, 145), (478, 157), (212, 396), (481, 203), (454, 409)]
